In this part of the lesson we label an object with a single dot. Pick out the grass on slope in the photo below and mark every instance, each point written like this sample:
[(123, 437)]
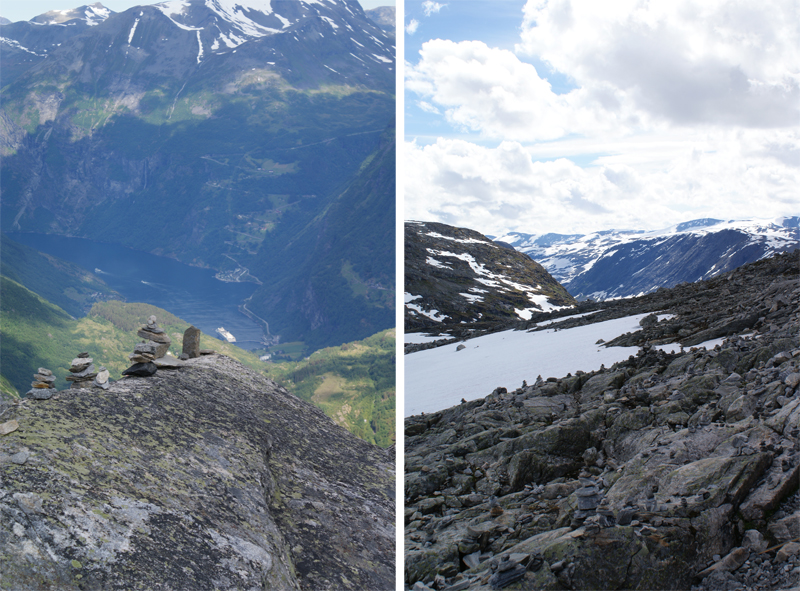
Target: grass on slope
[(354, 384), (359, 377), (62, 283)]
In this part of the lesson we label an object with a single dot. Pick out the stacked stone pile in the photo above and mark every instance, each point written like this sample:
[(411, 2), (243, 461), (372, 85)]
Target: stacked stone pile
[(150, 355), (666, 471), (82, 371), (156, 335), (42, 387)]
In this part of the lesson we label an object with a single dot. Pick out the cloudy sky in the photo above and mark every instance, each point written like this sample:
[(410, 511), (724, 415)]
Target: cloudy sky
[(577, 115)]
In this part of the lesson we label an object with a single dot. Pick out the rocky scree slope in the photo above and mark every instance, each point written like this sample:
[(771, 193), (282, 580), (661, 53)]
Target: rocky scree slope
[(613, 264), (456, 276), (208, 476), (662, 472)]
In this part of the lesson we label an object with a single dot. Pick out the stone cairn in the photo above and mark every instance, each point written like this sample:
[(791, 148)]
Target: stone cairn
[(157, 336), (83, 372), (155, 346), (42, 386)]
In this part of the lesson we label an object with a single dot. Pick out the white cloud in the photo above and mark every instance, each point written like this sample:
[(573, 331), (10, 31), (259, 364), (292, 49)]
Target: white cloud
[(412, 26), (713, 62), (430, 7), (428, 108), (495, 190), (681, 110), (491, 91)]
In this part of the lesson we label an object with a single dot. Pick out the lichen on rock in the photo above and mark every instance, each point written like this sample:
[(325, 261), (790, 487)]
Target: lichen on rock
[(205, 477)]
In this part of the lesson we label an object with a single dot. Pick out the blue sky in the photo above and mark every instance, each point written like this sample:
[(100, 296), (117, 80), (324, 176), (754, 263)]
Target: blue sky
[(576, 115), (23, 10)]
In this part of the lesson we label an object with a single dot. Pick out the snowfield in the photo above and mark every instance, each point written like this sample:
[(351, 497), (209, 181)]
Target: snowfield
[(439, 378)]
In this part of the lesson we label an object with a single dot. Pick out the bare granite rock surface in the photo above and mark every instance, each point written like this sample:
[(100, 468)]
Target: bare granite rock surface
[(204, 477)]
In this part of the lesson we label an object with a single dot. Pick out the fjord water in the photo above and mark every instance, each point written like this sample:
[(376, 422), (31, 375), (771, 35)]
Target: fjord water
[(191, 293)]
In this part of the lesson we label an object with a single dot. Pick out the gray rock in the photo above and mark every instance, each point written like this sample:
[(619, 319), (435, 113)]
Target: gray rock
[(20, 457), (79, 364), (88, 372), (168, 362), (44, 371), (141, 370), (41, 393), (191, 342), (151, 336), (754, 540)]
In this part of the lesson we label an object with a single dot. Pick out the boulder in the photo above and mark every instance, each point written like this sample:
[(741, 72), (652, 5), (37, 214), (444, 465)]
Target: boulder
[(191, 342), (141, 369)]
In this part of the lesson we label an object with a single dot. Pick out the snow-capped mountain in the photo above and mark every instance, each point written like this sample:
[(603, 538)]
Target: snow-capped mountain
[(226, 129), (458, 279), (612, 264), (307, 39)]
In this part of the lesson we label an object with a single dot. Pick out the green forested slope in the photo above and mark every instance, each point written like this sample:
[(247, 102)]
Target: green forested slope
[(68, 286), (331, 276)]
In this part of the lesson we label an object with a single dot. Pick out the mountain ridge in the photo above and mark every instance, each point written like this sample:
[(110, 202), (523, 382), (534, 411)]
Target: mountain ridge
[(139, 130), (611, 264), (458, 280)]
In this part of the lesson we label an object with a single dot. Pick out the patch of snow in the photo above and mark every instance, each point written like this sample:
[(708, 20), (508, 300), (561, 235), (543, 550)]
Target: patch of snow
[(461, 240), (471, 298), (200, 46), (432, 261), (232, 41), (381, 58), (133, 30), (676, 347), (407, 297), (330, 22), (434, 315), (95, 15), (549, 322), (16, 45), (439, 378)]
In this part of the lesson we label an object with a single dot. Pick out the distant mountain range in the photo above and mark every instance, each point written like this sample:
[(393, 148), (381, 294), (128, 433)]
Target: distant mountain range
[(614, 264), (211, 132), (458, 280)]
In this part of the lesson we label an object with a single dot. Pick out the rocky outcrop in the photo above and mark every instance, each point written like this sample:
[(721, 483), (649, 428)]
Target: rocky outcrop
[(203, 477), (666, 471), (458, 281)]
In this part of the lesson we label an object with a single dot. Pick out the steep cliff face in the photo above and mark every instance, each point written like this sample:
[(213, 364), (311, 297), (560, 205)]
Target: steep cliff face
[(205, 477)]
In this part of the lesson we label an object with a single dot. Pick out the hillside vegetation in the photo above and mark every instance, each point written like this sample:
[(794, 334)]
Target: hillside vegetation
[(354, 384), (359, 377)]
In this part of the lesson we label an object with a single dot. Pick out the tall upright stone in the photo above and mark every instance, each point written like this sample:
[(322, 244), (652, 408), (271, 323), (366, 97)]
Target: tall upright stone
[(191, 342)]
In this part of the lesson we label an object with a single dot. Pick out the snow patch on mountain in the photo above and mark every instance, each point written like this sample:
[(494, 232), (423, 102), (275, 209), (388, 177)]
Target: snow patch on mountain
[(17, 45), (624, 263)]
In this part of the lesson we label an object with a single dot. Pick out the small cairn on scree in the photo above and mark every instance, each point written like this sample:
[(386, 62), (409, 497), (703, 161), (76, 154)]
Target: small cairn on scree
[(82, 371), (144, 354), (42, 386)]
